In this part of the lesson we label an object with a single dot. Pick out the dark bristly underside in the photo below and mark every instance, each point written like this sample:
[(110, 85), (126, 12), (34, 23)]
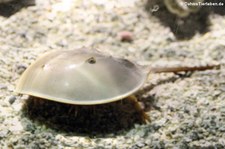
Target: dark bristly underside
[(104, 118)]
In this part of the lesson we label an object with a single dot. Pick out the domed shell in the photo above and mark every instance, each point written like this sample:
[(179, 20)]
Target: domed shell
[(82, 76)]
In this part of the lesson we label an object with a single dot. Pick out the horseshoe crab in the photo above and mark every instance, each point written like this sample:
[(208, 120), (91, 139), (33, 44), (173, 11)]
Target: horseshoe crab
[(88, 77), (82, 77)]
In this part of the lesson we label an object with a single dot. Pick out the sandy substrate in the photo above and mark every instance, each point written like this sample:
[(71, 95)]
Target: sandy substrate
[(185, 111)]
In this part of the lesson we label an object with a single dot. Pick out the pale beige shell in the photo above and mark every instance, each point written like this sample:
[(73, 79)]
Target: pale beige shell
[(82, 76)]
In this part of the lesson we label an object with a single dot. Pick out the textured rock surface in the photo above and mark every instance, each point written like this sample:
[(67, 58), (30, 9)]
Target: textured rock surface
[(185, 111)]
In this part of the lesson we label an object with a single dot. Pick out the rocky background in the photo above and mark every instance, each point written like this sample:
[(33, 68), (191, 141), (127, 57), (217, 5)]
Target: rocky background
[(186, 111)]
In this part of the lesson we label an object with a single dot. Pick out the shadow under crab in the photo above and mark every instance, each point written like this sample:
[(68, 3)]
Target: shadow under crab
[(104, 118)]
